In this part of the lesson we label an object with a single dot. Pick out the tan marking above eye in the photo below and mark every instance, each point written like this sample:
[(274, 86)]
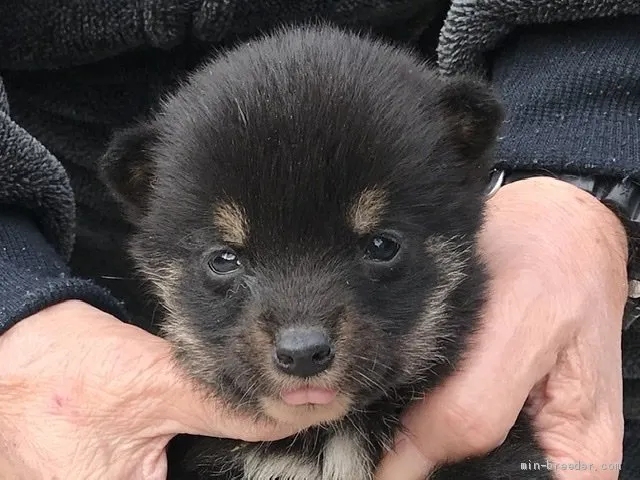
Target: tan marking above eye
[(230, 220), (365, 214)]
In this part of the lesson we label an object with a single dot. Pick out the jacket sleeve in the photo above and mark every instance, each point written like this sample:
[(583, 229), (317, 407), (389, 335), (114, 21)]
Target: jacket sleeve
[(572, 98), (568, 79), (36, 229)]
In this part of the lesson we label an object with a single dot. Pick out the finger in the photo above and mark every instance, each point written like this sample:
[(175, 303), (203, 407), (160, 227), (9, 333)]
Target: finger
[(581, 422), (190, 408), (404, 461), (462, 418), (164, 400)]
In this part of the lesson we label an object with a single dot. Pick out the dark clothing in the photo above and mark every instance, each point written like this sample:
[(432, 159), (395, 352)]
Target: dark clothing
[(33, 276), (71, 72), (573, 97)]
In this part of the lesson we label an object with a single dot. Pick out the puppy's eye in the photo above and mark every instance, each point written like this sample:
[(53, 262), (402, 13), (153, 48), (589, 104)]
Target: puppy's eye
[(224, 262), (381, 249)]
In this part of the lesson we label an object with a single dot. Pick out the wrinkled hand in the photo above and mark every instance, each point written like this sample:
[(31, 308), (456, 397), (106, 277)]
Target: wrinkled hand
[(85, 396), (552, 332)]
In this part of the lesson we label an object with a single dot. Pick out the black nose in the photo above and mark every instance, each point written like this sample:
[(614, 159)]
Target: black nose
[(303, 352)]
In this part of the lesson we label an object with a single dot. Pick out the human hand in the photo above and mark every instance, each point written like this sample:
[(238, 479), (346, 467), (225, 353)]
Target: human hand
[(86, 396), (552, 332)]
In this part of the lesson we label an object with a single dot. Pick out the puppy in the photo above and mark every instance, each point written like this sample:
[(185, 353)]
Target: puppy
[(306, 208)]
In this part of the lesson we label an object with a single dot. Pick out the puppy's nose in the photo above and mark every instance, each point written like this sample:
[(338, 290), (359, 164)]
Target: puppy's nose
[(303, 352)]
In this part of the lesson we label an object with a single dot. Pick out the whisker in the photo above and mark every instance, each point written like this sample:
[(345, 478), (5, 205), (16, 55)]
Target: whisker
[(112, 277)]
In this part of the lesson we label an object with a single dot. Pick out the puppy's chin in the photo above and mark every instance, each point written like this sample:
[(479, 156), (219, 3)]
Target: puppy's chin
[(306, 415)]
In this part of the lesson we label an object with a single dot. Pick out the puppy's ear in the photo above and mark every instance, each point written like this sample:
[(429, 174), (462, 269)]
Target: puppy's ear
[(127, 168), (474, 114)]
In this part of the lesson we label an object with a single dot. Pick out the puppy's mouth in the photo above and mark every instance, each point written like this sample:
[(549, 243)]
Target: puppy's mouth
[(308, 396), (306, 405)]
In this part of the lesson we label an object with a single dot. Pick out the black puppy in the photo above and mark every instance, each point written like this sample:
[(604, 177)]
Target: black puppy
[(306, 207)]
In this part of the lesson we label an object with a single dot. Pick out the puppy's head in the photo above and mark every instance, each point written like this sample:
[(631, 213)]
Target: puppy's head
[(306, 208)]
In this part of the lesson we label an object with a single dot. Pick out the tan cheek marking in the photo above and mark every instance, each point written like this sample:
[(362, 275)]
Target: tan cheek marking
[(165, 280), (232, 223), (451, 256), (192, 354), (366, 212)]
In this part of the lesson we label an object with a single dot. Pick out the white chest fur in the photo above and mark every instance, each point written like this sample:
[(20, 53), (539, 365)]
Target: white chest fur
[(343, 459), (281, 467)]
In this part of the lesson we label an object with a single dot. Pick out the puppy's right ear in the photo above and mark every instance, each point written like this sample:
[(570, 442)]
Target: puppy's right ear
[(474, 112), (127, 168)]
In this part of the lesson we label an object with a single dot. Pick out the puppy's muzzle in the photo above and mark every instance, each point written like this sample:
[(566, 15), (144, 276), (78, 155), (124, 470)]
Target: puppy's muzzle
[(303, 352)]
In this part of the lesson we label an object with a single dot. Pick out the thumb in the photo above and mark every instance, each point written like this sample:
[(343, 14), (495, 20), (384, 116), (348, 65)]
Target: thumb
[(471, 412), (187, 407)]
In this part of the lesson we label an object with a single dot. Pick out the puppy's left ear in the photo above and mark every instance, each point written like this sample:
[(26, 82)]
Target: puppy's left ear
[(474, 115), (128, 169)]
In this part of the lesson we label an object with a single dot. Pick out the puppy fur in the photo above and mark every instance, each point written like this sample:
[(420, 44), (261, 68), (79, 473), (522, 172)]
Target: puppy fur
[(295, 155)]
